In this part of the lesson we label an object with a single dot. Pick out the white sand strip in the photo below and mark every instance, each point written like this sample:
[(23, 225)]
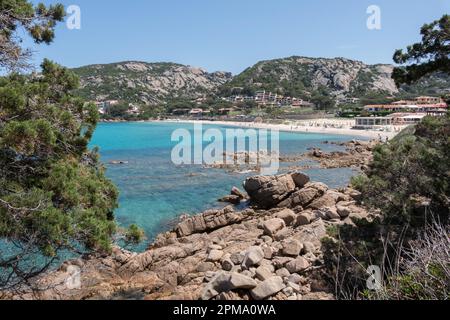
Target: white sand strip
[(325, 126)]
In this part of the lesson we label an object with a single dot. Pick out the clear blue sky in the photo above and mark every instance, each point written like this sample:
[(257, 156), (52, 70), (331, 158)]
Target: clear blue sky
[(231, 35)]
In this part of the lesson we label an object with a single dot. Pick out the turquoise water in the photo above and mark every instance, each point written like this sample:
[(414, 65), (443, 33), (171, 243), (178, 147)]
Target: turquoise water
[(154, 191)]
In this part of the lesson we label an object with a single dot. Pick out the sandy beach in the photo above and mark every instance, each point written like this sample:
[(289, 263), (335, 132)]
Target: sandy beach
[(326, 126)]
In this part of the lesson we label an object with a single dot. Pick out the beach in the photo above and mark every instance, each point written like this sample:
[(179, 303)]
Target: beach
[(325, 126)]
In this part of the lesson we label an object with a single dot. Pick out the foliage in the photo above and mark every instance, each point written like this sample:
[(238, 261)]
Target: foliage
[(179, 104), (427, 57), (274, 112), (268, 75), (322, 99), (38, 21), (410, 270), (53, 191), (411, 173), (150, 112), (118, 111), (408, 183), (134, 234), (375, 98), (423, 272), (348, 251)]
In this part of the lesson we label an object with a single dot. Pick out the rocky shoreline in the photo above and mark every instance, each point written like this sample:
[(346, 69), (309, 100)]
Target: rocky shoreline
[(357, 155), (271, 250)]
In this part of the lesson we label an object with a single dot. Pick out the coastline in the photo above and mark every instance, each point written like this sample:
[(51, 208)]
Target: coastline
[(299, 127), (271, 250)]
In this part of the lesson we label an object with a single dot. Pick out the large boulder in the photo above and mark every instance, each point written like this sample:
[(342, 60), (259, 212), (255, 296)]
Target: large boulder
[(304, 197), (287, 215), (268, 288), (280, 262), (267, 191), (211, 220), (264, 272), (224, 282), (292, 247), (272, 226), (236, 192), (300, 179), (354, 194), (343, 209), (332, 213), (237, 258), (226, 262), (319, 186), (326, 201), (214, 255), (305, 218), (239, 281), (253, 256), (298, 265)]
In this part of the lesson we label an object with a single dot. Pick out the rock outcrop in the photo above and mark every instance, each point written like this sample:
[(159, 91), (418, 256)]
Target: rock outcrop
[(357, 155), (341, 76), (270, 253), (268, 191)]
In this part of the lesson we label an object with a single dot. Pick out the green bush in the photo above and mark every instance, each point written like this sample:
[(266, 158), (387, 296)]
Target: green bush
[(410, 176), (134, 234)]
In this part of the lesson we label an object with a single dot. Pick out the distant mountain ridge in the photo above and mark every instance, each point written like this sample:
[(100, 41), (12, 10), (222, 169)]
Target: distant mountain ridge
[(299, 76), (148, 83), (155, 83)]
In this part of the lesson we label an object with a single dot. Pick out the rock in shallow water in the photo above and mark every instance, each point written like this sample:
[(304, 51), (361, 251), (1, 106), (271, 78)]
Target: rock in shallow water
[(233, 199), (300, 179), (236, 192)]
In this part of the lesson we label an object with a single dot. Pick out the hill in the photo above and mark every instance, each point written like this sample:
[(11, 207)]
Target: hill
[(301, 76), (155, 83), (148, 83)]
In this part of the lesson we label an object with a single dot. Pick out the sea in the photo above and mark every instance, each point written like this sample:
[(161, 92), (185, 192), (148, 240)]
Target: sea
[(155, 192)]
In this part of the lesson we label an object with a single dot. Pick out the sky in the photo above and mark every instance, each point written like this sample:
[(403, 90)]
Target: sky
[(231, 35)]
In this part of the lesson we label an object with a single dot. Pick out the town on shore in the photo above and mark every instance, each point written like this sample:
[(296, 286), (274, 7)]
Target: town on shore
[(268, 110)]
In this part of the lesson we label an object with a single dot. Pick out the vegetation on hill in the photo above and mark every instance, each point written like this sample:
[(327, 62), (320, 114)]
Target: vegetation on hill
[(302, 77), (146, 83)]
